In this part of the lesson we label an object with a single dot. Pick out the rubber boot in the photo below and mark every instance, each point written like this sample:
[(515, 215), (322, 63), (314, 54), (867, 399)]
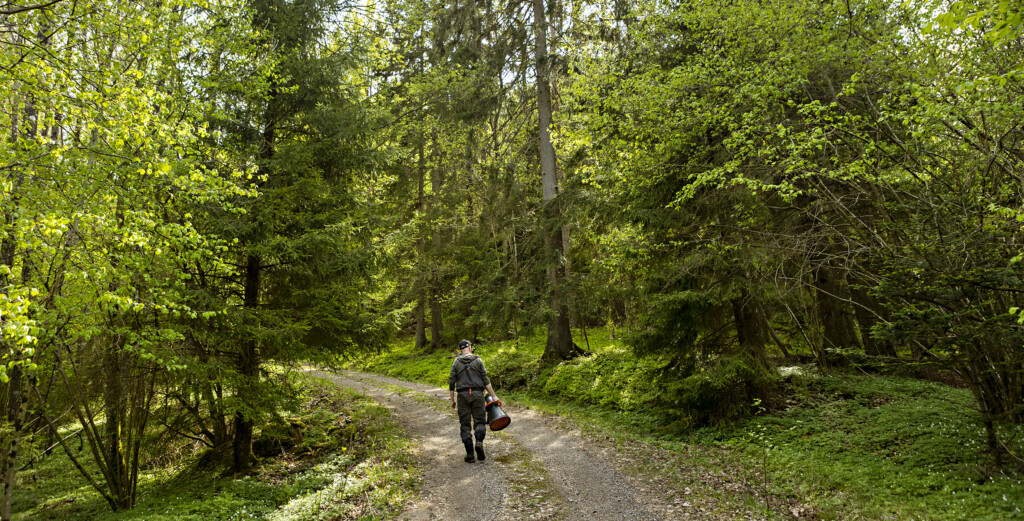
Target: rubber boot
[(480, 432), (469, 452)]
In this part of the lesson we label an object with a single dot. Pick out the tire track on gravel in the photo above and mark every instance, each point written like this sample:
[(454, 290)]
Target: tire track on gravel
[(445, 476), (591, 489)]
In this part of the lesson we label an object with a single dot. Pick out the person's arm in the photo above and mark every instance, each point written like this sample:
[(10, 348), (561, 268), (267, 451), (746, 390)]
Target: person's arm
[(487, 381), (451, 386)]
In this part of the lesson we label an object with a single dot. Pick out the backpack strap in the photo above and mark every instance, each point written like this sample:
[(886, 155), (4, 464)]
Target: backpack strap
[(465, 366)]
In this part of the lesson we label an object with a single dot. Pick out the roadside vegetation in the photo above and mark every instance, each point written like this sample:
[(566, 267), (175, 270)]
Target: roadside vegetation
[(846, 444), (807, 215), (335, 455)]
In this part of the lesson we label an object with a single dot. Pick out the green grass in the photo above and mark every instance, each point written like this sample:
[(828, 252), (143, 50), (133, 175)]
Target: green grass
[(615, 379), (352, 463), (879, 448), (841, 446)]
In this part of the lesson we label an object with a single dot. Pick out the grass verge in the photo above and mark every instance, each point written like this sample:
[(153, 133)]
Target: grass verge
[(836, 446), (352, 462)]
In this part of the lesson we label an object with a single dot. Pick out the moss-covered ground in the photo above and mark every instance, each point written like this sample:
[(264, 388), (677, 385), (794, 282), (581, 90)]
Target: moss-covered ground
[(843, 445), (352, 462)]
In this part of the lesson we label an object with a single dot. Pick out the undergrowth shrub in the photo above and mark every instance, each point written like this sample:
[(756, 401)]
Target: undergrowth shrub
[(613, 377), (616, 380), (336, 455), (511, 369), (725, 389), (431, 368), (888, 447)]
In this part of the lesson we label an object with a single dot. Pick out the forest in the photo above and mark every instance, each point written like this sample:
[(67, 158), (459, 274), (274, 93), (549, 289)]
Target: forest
[(751, 200)]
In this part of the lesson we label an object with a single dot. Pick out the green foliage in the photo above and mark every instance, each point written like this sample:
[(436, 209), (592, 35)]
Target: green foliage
[(192, 190), (352, 461), (887, 445), (464, 195), (834, 164), (722, 391), (613, 378), (844, 446), (105, 167), (674, 326)]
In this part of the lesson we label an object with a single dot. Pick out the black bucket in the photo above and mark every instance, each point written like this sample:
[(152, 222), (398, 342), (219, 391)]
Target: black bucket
[(496, 417)]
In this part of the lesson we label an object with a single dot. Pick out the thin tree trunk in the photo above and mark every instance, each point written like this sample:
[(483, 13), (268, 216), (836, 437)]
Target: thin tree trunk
[(421, 250), (611, 318), (436, 319), (7, 251), (14, 415), (835, 319), (114, 398), (778, 341), (248, 368), (88, 428), (421, 322), (15, 407), (867, 311)]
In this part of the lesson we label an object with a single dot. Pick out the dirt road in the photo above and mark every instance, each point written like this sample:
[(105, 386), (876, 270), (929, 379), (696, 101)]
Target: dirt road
[(532, 471)]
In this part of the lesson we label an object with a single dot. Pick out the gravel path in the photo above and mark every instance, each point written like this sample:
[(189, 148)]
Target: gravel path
[(533, 471)]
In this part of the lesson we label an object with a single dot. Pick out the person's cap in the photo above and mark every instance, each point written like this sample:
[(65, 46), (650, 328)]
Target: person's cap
[(464, 344)]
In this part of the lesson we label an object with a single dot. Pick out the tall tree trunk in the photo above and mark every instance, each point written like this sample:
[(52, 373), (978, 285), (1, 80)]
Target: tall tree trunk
[(838, 330), (7, 251), (248, 363), (556, 27), (17, 401), (751, 329), (559, 343), (867, 311), (248, 368), (421, 250), (436, 319), (421, 321), (14, 414)]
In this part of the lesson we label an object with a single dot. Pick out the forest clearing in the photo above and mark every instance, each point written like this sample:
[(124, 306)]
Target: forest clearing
[(721, 259)]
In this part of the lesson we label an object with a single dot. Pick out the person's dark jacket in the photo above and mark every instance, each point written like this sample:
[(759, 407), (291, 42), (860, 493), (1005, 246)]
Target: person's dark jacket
[(467, 373)]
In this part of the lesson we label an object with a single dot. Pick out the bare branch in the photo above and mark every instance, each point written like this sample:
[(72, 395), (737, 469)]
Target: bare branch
[(16, 10)]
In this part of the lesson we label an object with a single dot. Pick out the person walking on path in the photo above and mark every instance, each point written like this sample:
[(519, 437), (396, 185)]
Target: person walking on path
[(468, 381)]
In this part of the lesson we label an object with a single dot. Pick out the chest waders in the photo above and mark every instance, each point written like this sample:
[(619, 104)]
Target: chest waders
[(472, 419)]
